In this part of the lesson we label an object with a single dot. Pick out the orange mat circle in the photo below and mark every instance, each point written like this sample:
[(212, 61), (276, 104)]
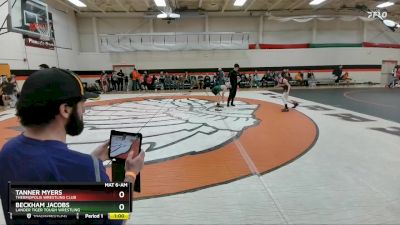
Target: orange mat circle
[(277, 140)]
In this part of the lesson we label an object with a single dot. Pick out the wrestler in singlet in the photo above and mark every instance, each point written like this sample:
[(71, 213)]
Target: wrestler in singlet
[(285, 95)]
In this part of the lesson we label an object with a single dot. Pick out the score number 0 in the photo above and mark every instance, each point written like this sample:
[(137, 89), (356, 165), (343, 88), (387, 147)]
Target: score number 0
[(121, 206)]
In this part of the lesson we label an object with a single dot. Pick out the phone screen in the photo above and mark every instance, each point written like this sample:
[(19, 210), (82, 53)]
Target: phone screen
[(123, 143)]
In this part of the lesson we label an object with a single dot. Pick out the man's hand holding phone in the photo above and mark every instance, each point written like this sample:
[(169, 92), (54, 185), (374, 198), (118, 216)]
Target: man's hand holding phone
[(133, 165), (101, 152)]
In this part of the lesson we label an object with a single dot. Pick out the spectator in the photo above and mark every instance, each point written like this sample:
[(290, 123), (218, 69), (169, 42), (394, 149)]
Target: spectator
[(207, 81), (395, 78), (114, 81), (311, 79), (109, 81), (256, 79), (126, 82), (193, 82), (162, 80), (121, 76), (181, 81), (154, 82), (150, 82), (40, 153), (1, 91), (288, 75), (200, 82), (144, 82), (310, 75), (104, 81), (141, 81), (338, 73), (299, 78), (9, 96), (135, 80), (220, 77), (186, 80), (346, 78)]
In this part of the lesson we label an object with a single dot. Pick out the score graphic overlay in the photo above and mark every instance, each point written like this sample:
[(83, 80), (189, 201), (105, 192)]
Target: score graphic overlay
[(70, 200)]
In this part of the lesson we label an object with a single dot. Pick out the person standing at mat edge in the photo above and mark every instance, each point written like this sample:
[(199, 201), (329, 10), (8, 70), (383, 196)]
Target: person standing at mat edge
[(284, 83), (233, 75), (51, 105)]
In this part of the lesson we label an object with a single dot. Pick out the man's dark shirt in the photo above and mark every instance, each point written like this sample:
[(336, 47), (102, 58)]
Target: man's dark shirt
[(29, 160), (233, 78)]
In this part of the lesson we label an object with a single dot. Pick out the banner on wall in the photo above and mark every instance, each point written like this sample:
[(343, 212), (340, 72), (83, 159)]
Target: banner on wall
[(173, 41), (37, 43)]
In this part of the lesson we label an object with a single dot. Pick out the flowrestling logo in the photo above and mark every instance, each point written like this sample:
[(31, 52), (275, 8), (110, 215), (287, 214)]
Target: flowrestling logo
[(377, 14)]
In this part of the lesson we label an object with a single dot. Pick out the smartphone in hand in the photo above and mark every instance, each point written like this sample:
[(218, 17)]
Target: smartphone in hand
[(121, 143)]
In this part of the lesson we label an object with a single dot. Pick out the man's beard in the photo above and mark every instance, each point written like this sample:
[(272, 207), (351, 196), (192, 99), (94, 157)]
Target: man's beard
[(74, 125)]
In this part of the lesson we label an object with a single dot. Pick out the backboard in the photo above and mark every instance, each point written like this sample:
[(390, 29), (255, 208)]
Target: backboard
[(29, 17)]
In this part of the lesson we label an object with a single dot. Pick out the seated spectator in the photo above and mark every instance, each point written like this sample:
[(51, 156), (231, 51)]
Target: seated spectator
[(201, 82), (3, 79), (337, 72), (298, 78), (161, 80), (153, 84), (193, 82), (9, 95), (264, 79), (257, 80), (207, 81), (395, 77), (310, 76), (346, 78), (167, 82), (149, 82), (288, 76), (311, 79)]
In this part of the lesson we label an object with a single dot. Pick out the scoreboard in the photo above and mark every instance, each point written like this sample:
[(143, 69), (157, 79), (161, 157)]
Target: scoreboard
[(70, 200)]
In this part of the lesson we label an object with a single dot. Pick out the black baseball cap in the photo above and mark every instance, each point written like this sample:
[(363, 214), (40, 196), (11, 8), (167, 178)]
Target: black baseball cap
[(52, 85), (236, 65)]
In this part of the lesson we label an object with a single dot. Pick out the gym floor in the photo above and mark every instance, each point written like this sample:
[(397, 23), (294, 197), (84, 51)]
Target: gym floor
[(333, 160)]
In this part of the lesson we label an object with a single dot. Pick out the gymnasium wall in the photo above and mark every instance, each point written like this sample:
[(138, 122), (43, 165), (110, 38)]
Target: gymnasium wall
[(274, 32), (77, 51), (18, 56)]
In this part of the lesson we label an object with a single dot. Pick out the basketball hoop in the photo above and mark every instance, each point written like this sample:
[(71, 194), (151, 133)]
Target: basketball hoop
[(42, 29), (33, 27)]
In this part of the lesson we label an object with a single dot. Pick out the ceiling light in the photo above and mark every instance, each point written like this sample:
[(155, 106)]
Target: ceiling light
[(390, 23), (316, 2), (174, 16), (78, 3), (239, 2), (385, 4), (162, 16), (160, 3)]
